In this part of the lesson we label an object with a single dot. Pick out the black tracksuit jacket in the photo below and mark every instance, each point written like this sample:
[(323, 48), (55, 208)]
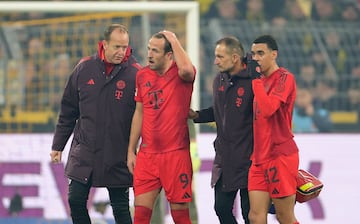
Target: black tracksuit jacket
[(232, 112), (98, 110)]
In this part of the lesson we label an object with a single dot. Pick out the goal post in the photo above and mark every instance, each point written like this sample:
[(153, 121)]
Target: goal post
[(189, 8)]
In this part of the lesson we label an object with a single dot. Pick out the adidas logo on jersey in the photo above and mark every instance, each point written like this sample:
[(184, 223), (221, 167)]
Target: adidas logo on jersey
[(91, 82), (275, 191), (186, 195)]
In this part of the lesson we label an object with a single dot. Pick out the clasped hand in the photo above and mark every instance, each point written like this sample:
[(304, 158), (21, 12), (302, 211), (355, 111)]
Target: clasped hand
[(252, 67)]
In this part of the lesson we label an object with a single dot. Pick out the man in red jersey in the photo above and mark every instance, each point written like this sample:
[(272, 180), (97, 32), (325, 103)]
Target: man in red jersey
[(163, 95), (272, 175)]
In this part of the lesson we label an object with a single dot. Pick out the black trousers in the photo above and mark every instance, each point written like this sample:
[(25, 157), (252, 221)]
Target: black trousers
[(78, 196), (224, 202)]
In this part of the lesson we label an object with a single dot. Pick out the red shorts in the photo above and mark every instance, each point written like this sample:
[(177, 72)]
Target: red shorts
[(169, 170), (278, 176)]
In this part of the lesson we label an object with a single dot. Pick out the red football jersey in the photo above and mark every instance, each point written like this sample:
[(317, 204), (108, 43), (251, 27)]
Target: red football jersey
[(166, 103), (273, 105)]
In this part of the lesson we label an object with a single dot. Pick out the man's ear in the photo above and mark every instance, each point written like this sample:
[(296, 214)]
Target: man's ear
[(105, 45), (170, 55), (235, 57), (274, 54)]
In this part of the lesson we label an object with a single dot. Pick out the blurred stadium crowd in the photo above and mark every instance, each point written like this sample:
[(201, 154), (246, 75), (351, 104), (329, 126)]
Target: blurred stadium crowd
[(319, 42)]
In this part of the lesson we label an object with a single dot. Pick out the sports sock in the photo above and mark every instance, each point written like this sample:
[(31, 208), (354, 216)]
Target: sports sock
[(181, 216), (142, 215)]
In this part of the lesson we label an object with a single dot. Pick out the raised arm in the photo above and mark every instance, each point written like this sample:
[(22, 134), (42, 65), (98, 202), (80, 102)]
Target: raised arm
[(186, 68)]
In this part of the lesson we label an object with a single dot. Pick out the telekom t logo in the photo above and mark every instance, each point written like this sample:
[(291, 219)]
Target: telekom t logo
[(155, 98)]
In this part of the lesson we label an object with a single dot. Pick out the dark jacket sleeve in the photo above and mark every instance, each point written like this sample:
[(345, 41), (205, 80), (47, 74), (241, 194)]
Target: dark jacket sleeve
[(69, 113), (205, 115)]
